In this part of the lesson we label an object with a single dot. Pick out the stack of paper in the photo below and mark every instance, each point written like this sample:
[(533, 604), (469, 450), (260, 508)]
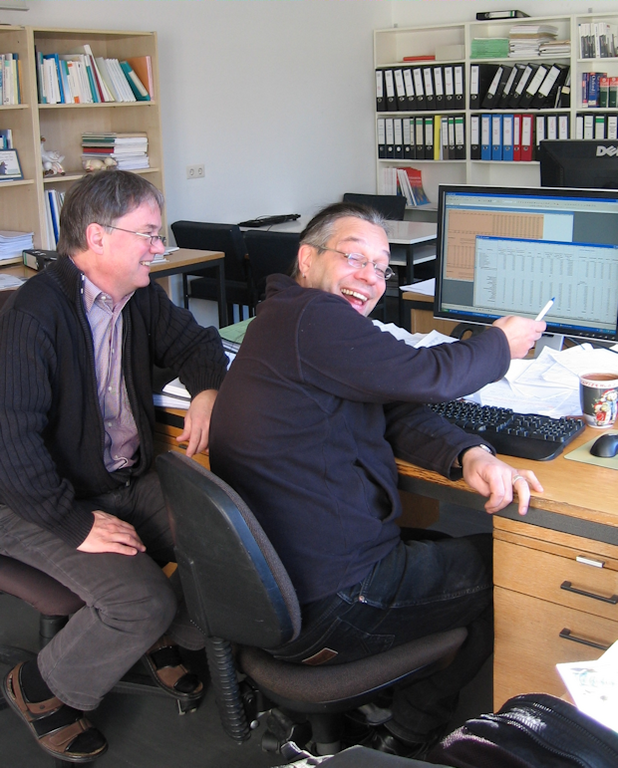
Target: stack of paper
[(593, 686), (13, 243), (525, 40), (129, 150)]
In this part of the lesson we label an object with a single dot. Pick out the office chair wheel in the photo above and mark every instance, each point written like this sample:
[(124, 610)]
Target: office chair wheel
[(186, 706), (281, 729)]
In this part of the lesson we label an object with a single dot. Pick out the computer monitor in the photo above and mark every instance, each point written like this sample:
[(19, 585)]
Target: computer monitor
[(507, 251), (590, 164)]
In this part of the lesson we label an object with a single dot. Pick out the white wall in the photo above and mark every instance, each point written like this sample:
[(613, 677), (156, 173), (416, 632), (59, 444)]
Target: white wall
[(274, 98)]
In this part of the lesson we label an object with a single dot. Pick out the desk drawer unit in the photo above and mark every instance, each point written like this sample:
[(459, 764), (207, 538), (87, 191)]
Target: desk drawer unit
[(556, 600)]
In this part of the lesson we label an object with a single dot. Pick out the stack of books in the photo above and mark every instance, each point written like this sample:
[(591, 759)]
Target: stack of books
[(598, 40), (128, 150), (10, 79), (489, 48), (13, 243), (525, 40), (82, 78), (6, 138), (407, 182)]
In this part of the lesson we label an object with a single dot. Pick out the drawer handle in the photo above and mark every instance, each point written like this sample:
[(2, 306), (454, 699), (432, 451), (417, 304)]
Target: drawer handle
[(566, 635), (566, 585)]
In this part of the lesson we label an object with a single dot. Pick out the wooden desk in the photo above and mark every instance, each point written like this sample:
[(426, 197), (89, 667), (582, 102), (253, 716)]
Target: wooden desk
[(188, 261), (539, 619), (177, 263)]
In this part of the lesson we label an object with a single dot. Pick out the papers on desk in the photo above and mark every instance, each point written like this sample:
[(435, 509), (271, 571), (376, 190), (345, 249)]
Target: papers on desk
[(424, 287), (593, 686), (547, 385), (9, 282), (173, 395)]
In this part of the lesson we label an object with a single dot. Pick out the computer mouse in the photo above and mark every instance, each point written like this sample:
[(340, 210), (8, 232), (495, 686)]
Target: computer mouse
[(606, 446)]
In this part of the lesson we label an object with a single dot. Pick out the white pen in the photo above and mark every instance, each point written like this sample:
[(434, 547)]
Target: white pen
[(545, 310)]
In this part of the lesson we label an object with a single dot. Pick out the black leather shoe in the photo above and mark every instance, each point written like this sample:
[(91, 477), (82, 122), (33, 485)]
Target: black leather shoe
[(384, 741)]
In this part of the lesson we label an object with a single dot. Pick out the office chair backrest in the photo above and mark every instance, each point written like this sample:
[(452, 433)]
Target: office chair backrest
[(390, 206), (205, 236), (233, 580), (270, 252)]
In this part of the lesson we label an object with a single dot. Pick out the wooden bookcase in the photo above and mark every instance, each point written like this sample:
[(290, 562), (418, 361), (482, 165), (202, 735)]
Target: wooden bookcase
[(22, 203), (391, 45)]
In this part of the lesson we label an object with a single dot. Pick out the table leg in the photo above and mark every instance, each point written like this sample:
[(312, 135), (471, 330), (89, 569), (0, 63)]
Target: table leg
[(223, 318)]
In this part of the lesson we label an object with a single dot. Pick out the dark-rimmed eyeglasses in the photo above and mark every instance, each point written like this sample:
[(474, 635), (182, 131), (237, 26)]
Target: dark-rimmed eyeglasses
[(358, 261), (154, 239)]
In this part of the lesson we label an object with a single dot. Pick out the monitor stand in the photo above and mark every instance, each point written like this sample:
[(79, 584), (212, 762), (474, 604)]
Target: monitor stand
[(551, 340)]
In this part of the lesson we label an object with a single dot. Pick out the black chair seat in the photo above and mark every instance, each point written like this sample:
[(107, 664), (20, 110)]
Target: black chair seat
[(342, 687)]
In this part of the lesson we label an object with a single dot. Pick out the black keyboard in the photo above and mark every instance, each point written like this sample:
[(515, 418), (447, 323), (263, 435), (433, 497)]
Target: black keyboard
[(525, 435), (268, 221)]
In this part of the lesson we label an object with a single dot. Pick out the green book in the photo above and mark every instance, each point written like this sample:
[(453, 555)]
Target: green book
[(489, 48)]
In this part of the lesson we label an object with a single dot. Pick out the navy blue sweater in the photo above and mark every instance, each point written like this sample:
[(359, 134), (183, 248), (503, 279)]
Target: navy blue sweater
[(51, 428), (309, 417)]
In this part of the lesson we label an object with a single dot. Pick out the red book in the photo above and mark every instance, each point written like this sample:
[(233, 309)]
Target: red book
[(527, 137), (427, 57)]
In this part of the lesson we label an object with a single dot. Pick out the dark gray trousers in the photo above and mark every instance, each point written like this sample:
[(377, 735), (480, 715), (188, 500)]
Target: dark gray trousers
[(130, 602)]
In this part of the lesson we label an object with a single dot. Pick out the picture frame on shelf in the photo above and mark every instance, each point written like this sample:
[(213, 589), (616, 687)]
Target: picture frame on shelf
[(10, 167)]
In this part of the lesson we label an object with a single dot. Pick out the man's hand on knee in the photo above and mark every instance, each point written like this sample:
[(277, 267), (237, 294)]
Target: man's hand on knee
[(110, 534)]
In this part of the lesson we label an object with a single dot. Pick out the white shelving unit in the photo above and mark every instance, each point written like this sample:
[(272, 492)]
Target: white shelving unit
[(391, 45)]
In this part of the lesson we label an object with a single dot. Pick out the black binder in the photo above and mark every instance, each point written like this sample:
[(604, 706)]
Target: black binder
[(475, 137), (419, 87), (398, 136), (494, 92), (438, 86), (449, 87), (419, 134), (400, 90), (390, 138), (381, 138), (539, 74), (429, 137), (389, 91), (459, 83), (481, 76), (409, 84), (380, 99), (509, 86), (430, 100), (548, 94), (409, 148), (520, 84)]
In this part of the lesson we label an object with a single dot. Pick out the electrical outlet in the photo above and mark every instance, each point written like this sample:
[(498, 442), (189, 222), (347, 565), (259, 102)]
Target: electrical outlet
[(195, 172)]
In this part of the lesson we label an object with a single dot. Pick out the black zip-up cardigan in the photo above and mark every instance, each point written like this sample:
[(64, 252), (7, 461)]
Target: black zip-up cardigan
[(51, 427)]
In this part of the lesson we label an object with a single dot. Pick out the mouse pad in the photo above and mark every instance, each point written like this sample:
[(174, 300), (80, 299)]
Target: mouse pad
[(583, 454)]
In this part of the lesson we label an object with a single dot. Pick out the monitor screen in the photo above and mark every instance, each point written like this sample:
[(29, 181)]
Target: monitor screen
[(590, 164), (508, 251)]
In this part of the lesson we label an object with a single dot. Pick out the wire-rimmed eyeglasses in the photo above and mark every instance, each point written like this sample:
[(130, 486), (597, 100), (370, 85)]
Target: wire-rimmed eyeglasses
[(358, 261), (154, 239)]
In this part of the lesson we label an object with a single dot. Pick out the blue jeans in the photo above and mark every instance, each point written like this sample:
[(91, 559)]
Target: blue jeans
[(421, 587), (129, 601)]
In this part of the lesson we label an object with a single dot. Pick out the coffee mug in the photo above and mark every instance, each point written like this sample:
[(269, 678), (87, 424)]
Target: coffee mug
[(598, 395)]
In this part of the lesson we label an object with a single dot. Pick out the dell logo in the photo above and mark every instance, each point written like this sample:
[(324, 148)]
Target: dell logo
[(611, 151)]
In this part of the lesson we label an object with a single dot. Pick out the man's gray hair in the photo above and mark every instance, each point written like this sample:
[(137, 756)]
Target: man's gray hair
[(322, 226), (102, 197)]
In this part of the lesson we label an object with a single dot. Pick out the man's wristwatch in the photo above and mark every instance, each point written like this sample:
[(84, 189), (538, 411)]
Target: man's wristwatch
[(458, 461)]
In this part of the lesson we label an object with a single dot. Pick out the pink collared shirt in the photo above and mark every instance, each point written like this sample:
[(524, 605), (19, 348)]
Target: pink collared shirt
[(105, 318)]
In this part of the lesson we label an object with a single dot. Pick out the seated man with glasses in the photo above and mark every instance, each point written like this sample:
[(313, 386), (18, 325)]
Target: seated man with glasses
[(79, 499), (306, 428)]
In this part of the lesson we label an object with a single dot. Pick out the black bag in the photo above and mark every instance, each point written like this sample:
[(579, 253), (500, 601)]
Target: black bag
[(534, 730)]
